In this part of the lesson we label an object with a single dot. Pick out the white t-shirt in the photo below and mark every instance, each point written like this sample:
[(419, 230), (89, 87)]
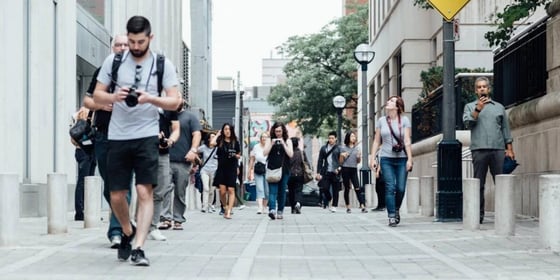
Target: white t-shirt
[(258, 153), (141, 121)]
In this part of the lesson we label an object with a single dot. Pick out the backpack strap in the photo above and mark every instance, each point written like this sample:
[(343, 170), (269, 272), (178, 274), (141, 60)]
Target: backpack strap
[(160, 65), (117, 60)]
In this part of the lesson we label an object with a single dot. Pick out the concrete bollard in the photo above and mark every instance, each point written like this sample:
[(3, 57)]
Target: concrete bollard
[(57, 200), (9, 208), (549, 211), (92, 201), (471, 203), (506, 186), (369, 193), (427, 195), (413, 195)]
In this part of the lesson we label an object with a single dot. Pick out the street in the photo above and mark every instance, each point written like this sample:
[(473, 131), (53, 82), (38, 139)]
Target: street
[(317, 244)]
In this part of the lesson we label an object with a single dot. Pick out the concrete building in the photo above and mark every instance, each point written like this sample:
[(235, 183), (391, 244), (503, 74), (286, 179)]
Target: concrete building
[(408, 40), (51, 51)]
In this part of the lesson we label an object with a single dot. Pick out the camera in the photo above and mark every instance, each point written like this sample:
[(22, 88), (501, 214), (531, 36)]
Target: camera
[(277, 142), (132, 97), (163, 142), (397, 148), (231, 153)]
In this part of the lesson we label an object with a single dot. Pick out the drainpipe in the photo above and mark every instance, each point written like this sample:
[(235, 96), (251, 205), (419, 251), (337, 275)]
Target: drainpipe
[(55, 76)]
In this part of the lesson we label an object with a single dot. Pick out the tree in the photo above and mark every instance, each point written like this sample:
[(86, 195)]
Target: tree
[(322, 66), (505, 21)]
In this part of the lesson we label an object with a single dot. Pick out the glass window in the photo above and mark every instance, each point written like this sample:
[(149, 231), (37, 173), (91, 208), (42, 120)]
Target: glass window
[(96, 8)]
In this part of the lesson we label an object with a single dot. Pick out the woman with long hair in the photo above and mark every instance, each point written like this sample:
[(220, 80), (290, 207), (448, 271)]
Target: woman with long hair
[(229, 152), (257, 172), (350, 156), (279, 151), (392, 134), (295, 183)]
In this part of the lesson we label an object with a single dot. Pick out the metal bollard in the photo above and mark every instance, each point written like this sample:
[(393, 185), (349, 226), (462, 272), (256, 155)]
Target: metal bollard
[(57, 200), (92, 201), (413, 195), (427, 195), (506, 186), (549, 211), (9, 200), (471, 203)]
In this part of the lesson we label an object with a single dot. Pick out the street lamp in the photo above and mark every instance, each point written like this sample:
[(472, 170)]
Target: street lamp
[(364, 54), (339, 102)]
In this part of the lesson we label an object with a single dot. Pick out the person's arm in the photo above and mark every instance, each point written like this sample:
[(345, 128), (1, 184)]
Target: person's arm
[(170, 101), (408, 148), (320, 163), (175, 133), (289, 148), (374, 147), (192, 154), (267, 147), (252, 160)]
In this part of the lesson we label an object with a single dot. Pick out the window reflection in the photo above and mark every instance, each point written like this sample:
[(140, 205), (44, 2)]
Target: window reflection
[(96, 8)]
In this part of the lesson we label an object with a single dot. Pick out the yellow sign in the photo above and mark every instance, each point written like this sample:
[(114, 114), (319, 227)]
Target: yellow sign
[(448, 8)]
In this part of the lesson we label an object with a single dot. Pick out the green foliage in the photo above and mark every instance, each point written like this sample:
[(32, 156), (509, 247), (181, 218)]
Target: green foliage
[(505, 20), (322, 66)]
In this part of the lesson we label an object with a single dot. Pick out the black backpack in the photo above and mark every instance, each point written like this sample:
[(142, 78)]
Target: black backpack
[(102, 117)]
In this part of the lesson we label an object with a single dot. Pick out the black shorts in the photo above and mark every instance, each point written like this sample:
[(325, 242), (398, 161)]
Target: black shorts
[(127, 157)]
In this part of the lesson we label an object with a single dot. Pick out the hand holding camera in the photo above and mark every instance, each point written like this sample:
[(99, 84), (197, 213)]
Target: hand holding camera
[(397, 148), (278, 141)]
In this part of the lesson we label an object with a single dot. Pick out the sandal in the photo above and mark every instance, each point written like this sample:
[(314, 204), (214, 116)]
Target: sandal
[(177, 226), (165, 225)]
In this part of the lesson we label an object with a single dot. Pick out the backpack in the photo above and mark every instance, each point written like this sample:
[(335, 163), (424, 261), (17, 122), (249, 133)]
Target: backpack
[(117, 60), (102, 117)]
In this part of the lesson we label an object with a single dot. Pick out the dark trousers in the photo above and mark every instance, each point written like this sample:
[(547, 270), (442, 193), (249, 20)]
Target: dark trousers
[(329, 186), (482, 161), (350, 174), (86, 167), (380, 190), (295, 188)]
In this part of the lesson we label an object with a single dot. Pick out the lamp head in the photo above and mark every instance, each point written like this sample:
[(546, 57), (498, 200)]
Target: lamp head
[(364, 54), (339, 101)]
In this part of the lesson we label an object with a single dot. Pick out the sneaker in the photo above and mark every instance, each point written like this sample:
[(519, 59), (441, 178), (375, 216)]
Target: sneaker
[(125, 247), (115, 241), (241, 207), (364, 210), (259, 211), (138, 258), (212, 208), (298, 208), (280, 215), (397, 217), (222, 211), (333, 209), (203, 210), (378, 209), (155, 234), (272, 214), (348, 210), (392, 222)]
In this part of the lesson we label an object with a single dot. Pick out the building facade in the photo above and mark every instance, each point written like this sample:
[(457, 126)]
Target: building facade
[(52, 49)]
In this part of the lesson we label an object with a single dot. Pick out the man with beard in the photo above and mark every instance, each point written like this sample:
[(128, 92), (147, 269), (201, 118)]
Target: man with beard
[(133, 131)]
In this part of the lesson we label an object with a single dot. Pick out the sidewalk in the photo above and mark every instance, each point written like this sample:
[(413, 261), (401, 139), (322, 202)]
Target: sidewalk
[(315, 245)]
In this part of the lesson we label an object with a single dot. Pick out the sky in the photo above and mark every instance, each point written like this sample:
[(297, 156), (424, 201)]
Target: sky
[(246, 31)]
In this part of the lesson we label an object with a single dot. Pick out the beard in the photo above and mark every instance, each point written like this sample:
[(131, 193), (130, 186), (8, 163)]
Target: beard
[(140, 53)]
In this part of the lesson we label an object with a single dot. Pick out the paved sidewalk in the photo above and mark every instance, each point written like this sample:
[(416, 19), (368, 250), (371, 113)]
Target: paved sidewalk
[(315, 245)]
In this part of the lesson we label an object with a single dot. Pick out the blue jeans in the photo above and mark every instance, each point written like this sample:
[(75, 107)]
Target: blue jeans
[(261, 186), (277, 191), (394, 173), (101, 147)]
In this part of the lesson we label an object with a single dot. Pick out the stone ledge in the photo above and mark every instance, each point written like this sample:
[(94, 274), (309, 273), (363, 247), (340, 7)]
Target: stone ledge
[(535, 110)]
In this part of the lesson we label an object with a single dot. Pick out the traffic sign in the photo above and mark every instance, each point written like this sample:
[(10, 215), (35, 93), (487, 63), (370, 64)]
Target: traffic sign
[(448, 8)]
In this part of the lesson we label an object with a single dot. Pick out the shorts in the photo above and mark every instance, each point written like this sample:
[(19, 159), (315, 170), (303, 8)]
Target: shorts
[(127, 157)]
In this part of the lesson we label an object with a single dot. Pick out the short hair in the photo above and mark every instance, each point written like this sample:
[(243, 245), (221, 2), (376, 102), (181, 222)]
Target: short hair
[(333, 133), (139, 24), (485, 79)]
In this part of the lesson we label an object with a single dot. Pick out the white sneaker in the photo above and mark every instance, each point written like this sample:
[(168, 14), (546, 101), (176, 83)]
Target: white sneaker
[(241, 207), (212, 208), (259, 210), (333, 209), (155, 234)]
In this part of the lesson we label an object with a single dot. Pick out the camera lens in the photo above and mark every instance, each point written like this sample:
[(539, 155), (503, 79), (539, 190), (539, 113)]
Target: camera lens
[(163, 142), (131, 99), (277, 142)]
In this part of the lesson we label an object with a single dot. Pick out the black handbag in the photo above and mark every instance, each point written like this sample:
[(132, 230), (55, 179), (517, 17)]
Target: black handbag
[(260, 168), (82, 132)]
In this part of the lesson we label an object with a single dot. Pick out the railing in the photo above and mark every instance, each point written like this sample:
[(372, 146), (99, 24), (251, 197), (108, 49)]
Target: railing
[(427, 118), (520, 68)]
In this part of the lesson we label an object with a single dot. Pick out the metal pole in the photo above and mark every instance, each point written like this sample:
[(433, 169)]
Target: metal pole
[(339, 125), (237, 95), (365, 171), (448, 81)]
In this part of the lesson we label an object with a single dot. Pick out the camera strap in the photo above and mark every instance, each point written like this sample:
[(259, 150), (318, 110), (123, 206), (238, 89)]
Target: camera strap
[(391, 128), (207, 159)]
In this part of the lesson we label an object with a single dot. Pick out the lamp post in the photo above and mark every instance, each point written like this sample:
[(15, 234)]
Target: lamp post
[(339, 102), (364, 54)]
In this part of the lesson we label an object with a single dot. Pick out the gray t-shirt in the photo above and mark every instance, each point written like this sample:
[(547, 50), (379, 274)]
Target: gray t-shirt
[(352, 159), (141, 121), (387, 138), (212, 163)]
